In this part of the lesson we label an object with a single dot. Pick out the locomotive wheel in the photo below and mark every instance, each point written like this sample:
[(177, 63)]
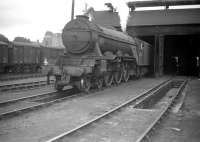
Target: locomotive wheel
[(126, 75), (108, 79), (118, 77), (85, 84), (99, 83)]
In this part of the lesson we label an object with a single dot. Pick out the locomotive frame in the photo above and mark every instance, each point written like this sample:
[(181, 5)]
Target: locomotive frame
[(98, 56)]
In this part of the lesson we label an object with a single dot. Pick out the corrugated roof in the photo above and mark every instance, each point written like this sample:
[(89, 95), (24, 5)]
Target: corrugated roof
[(106, 18), (164, 17)]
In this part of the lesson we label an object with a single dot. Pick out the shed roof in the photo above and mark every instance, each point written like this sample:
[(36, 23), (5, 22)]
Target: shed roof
[(148, 3), (106, 18), (164, 17)]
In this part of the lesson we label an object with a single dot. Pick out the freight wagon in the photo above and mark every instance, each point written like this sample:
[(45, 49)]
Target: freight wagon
[(23, 57), (4, 44)]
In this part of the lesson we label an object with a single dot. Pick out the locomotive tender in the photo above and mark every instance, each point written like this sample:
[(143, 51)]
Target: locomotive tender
[(98, 56)]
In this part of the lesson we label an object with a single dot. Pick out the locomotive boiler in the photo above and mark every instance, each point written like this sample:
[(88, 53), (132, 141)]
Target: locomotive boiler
[(97, 56)]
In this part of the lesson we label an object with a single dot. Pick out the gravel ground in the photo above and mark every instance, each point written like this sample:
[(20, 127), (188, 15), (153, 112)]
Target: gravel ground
[(126, 126), (183, 126), (46, 123), (123, 126)]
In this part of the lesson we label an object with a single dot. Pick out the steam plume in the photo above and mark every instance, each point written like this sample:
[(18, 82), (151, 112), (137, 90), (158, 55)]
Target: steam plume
[(123, 11)]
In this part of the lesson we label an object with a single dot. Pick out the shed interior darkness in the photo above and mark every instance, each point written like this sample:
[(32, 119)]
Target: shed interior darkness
[(186, 48)]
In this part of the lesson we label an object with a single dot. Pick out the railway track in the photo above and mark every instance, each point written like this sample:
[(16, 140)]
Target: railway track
[(143, 101), (24, 85), (25, 104), (8, 77), (177, 87), (21, 105)]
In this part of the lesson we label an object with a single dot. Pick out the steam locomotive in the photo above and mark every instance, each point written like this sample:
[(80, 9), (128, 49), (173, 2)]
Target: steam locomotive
[(98, 56)]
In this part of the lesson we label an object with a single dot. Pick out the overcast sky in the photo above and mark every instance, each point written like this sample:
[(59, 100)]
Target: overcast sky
[(32, 18)]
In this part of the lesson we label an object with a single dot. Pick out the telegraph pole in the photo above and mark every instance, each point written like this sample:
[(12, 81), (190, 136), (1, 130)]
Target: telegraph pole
[(72, 14)]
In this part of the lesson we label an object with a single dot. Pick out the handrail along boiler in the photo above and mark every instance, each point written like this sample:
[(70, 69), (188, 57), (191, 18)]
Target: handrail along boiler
[(97, 56)]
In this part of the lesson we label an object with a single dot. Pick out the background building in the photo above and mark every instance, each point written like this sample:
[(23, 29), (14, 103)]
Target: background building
[(52, 39)]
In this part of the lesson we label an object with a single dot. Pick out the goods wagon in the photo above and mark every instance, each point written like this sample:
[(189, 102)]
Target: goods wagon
[(4, 45), (24, 57), (97, 56)]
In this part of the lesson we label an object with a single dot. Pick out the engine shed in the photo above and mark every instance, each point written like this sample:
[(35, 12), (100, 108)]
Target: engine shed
[(174, 34)]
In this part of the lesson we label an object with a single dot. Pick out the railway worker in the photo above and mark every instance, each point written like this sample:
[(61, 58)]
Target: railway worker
[(198, 67), (49, 73), (49, 70), (176, 58)]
